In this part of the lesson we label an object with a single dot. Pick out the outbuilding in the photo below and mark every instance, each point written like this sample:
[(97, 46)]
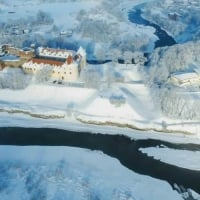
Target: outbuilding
[(185, 78)]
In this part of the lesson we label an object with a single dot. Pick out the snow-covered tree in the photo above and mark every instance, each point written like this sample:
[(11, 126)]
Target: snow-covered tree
[(43, 75), (128, 57), (116, 54), (138, 57), (175, 102), (91, 78), (43, 17), (167, 60), (13, 78), (110, 75), (100, 54)]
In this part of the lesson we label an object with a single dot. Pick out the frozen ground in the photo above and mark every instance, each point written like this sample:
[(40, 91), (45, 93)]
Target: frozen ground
[(72, 173), (181, 158)]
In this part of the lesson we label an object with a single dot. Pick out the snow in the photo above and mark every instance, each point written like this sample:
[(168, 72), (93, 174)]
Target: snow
[(10, 58), (73, 173), (44, 98), (183, 76), (22, 120), (81, 51), (54, 53), (64, 172), (181, 158), (56, 9), (67, 16), (185, 28), (138, 110)]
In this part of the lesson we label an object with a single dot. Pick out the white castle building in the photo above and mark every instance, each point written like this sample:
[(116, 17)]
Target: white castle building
[(66, 65)]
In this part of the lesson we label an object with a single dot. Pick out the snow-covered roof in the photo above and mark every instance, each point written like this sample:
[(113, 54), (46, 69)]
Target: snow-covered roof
[(183, 76), (56, 53)]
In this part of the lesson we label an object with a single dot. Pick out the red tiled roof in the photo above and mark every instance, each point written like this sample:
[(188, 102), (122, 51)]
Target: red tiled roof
[(47, 61)]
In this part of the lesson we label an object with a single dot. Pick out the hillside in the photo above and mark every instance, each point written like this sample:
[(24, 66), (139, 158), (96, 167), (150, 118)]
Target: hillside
[(93, 24)]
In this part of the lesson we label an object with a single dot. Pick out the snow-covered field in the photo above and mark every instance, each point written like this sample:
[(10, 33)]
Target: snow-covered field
[(71, 173), (45, 99), (63, 12), (94, 106), (138, 111)]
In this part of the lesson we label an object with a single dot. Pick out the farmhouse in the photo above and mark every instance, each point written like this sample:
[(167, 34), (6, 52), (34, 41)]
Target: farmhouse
[(185, 78), (66, 65)]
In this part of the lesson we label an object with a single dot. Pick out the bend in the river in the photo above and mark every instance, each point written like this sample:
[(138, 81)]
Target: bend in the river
[(164, 38), (120, 147)]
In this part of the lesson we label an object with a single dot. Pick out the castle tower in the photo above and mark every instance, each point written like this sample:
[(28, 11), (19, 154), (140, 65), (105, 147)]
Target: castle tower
[(83, 54), (69, 60)]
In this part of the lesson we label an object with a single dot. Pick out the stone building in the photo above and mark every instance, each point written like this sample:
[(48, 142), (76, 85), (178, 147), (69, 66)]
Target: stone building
[(66, 65)]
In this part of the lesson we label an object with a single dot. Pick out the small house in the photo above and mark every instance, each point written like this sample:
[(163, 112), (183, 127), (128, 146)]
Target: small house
[(67, 33), (185, 78)]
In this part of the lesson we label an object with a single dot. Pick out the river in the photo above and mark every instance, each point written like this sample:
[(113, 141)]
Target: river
[(120, 147), (117, 146), (164, 39)]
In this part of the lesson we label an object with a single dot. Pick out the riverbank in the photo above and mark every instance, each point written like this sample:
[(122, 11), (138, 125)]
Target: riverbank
[(21, 120), (91, 106), (126, 150)]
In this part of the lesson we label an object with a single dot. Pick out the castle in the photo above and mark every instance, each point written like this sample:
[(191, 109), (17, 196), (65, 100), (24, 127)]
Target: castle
[(66, 64)]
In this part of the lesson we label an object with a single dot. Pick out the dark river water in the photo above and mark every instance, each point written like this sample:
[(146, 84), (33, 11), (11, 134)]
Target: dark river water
[(120, 147), (163, 38)]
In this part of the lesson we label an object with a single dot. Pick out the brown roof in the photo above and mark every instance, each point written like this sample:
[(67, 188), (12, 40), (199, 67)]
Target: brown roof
[(47, 61)]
